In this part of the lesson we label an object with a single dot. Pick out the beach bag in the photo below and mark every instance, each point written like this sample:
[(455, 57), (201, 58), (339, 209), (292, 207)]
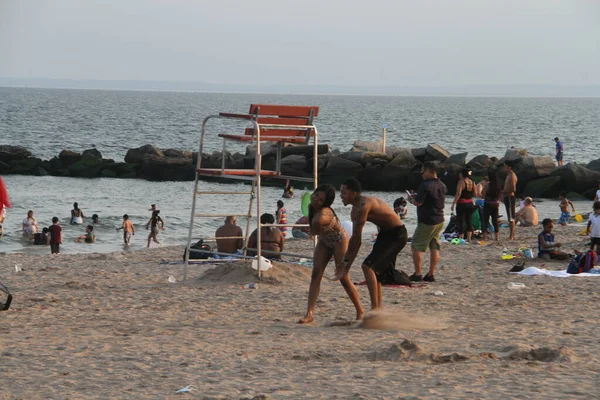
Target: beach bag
[(582, 262), (395, 277), (199, 245)]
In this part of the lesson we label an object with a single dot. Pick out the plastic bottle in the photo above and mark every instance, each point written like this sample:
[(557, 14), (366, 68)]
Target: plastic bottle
[(18, 268), (438, 293), (172, 279), (250, 286), (516, 285)]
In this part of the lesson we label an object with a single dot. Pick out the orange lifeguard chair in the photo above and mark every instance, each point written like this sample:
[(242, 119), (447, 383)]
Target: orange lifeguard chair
[(279, 124)]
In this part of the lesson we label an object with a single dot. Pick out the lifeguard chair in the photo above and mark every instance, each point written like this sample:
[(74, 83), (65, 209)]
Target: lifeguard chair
[(278, 124)]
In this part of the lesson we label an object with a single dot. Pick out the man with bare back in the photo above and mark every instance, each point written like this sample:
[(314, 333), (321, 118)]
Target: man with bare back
[(390, 241), (508, 190)]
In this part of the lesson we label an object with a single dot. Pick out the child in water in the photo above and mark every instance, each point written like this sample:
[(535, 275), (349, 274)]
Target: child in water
[(128, 229), (564, 208), (89, 236)]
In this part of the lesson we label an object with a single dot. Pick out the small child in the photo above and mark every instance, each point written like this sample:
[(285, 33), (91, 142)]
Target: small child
[(401, 207), (128, 229), (593, 227), (55, 231), (564, 208), (547, 248), (95, 219), (89, 236)]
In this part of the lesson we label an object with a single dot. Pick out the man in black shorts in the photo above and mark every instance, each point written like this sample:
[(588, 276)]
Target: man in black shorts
[(390, 241), (509, 189)]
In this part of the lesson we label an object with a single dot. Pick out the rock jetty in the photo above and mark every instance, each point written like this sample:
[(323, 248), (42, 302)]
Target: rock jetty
[(396, 169)]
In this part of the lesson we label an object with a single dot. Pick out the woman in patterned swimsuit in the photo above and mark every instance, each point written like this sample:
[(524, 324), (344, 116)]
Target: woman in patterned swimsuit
[(332, 241)]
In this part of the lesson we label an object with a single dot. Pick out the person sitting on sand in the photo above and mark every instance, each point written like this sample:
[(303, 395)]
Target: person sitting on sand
[(547, 247), (527, 215), (332, 241), (271, 239), (76, 215), (564, 208), (89, 236), (301, 232), (390, 241), (232, 231)]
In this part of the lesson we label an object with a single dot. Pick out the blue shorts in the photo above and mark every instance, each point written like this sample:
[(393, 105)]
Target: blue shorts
[(564, 218), (559, 156)]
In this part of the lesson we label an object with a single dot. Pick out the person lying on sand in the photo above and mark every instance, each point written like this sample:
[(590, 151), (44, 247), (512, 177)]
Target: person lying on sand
[(332, 241)]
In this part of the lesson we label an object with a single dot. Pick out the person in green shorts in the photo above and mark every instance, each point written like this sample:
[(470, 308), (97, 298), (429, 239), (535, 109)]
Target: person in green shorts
[(429, 200)]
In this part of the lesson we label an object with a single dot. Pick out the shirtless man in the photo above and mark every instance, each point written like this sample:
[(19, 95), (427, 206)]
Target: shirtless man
[(233, 232), (528, 215), (509, 189), (390, 241)]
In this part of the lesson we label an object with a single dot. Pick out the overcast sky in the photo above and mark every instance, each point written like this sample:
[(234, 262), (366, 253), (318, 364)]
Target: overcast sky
[(333, 42)]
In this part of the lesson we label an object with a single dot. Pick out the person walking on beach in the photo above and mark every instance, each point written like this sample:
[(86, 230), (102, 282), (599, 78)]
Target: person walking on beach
[(390, 241), (593, 228), (153, 225), (564, 209), (281, 216), (429, 200), (55, 236), (559, 151), (332, 241), (463, 202), (76, 215), (508, 190), (128, 229)]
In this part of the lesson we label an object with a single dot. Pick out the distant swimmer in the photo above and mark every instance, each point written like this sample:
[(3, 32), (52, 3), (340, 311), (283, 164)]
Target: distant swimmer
[(76, 215)]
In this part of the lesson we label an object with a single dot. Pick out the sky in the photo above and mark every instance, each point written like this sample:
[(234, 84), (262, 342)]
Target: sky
[(307, 42)]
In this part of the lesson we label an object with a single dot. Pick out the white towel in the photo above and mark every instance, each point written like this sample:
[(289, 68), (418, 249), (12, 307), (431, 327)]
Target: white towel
[(557, 274)]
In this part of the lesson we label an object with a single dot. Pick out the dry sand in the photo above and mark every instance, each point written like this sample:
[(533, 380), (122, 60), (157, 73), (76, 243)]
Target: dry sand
[(112, 326)]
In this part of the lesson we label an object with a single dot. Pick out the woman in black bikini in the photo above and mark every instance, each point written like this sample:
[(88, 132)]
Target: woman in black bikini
[(332, 241), (463, 201)]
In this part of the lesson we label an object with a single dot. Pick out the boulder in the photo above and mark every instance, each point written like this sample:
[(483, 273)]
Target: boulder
[(460, 159), (419, 153), (306, 151), (511, 154), (265, 148), (354, 156), (139, 155), (547, 187), (107, 173), (85, 168), (375, 158), (168, 169), (402, 156), (359, 145), (338, 170), (177, 153), (26, 166), (39, 171), (481, 161), (437, 152), (530, 168), (387, 178), (11, 153), (4, 168), (68, 157), (120, 170), (93, 154), (577, 178), (594, 165)]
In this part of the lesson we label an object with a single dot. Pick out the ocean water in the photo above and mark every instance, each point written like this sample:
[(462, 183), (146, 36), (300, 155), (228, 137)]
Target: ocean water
[(47, 121)]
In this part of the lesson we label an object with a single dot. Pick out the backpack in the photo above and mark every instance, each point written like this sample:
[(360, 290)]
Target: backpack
[(582, 262), (395, 277), (199, 245)]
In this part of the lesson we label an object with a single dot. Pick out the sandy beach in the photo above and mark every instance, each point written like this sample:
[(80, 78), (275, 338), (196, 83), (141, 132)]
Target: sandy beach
[(112, 326)]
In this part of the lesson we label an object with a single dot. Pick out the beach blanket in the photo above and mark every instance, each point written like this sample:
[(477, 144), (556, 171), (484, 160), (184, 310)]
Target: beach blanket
[(557, 274)]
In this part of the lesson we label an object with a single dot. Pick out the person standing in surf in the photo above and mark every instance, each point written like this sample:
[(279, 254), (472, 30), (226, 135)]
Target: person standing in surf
[(76, 215)]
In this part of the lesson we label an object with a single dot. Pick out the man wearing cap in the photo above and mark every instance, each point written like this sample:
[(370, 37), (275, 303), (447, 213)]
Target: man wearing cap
[(559, 151)]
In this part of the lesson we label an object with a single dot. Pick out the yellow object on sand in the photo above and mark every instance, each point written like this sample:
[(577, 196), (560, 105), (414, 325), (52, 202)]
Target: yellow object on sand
[(583, 232), (508, 257), (578, 218)]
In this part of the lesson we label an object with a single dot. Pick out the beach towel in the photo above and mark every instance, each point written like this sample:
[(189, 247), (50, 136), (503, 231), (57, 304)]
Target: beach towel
[(531, 271)]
